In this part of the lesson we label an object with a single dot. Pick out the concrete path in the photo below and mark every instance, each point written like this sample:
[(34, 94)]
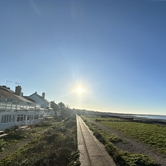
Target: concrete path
[(92, 152)]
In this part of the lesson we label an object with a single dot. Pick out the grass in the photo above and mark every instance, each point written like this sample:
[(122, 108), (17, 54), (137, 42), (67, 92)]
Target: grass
[(122, 158), (57, 145), (152, 134)]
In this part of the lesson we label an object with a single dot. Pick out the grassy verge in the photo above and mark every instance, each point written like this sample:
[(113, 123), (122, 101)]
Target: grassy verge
[(56, 146), (122, 158), (152, 134)]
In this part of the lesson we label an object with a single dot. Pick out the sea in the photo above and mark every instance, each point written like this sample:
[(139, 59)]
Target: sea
[(159, 117)]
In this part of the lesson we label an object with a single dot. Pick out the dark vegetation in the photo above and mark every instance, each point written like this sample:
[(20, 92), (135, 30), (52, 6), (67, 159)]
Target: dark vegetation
[(121, 158), (49, 143)]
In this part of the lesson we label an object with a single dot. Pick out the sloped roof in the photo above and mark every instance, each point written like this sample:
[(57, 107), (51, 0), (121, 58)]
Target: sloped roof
[(28, 98), (9, 94), (39, 97)]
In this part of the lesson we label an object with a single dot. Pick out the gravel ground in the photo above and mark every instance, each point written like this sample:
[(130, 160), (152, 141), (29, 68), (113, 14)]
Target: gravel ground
[(134, 146)]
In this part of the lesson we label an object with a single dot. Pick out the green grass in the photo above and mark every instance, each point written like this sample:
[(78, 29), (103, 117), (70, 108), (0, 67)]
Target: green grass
[(151, 134), (122, 158)]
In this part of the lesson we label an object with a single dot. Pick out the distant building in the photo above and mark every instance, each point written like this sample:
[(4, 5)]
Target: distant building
[(16, 109), (58, 113)]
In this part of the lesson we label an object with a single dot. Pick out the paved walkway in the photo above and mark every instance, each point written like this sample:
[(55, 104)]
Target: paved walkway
[(92, 152)]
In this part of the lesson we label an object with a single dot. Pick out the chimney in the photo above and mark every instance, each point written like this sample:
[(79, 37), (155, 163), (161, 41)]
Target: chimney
[(43, 95), (18, 90)]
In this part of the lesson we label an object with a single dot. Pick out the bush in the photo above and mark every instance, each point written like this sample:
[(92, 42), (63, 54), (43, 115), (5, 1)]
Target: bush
[(70, 121), (16, 134), (56, 146), (3, 144), (13, 128), (98, 120), (43, 124), (99, 137)]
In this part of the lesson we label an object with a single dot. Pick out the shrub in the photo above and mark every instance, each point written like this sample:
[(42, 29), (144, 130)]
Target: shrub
[(3, 144), (97, 120), (99, 137), (16, 134), (13, 128), (56, 146), (43, 124)]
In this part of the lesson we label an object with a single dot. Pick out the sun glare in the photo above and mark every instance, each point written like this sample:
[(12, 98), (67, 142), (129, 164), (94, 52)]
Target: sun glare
[(79, 90)]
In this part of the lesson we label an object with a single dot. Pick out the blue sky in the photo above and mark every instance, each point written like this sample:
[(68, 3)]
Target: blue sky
[(114, 49)]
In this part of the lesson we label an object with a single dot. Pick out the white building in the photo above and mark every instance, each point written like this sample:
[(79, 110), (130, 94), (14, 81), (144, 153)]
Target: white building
[(40, 100), (45, 104), (18, 110)]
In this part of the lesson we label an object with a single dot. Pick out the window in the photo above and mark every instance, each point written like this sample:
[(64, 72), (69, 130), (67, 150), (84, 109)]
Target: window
[(18, 107), (8, 106), (21, 107), (20, 117), (13, 117), (2, 106), (24, 106), (36, 117), (6, 119), (13, 106), (29, 117)]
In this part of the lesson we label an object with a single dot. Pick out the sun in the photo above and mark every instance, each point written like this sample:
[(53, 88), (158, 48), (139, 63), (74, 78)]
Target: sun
[(79, 90)]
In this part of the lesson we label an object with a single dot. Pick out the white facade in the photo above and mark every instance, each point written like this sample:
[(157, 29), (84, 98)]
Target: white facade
[(40, 100), (18, 110), (20, 113), (20, 118)]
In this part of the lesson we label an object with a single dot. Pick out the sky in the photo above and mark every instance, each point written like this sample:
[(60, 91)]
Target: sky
[(114, 50)]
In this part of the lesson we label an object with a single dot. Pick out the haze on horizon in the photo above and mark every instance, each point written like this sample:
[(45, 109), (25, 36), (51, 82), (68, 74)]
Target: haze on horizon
[(99, 55)]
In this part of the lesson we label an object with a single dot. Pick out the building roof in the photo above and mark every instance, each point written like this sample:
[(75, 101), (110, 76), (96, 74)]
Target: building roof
[(6, 93), (39, 97), (28, 98)]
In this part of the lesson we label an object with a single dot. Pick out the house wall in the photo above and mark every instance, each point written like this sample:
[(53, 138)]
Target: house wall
[(17, 110), (12, 118), (39, 101)]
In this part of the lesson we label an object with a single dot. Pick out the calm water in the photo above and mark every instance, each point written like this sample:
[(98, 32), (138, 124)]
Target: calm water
[(153, 116)]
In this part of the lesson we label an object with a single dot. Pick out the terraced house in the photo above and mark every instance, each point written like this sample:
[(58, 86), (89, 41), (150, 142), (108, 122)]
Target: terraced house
[(16, 109)]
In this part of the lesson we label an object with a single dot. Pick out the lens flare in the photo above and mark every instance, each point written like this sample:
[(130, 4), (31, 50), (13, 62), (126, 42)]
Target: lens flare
[(79, 90)]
